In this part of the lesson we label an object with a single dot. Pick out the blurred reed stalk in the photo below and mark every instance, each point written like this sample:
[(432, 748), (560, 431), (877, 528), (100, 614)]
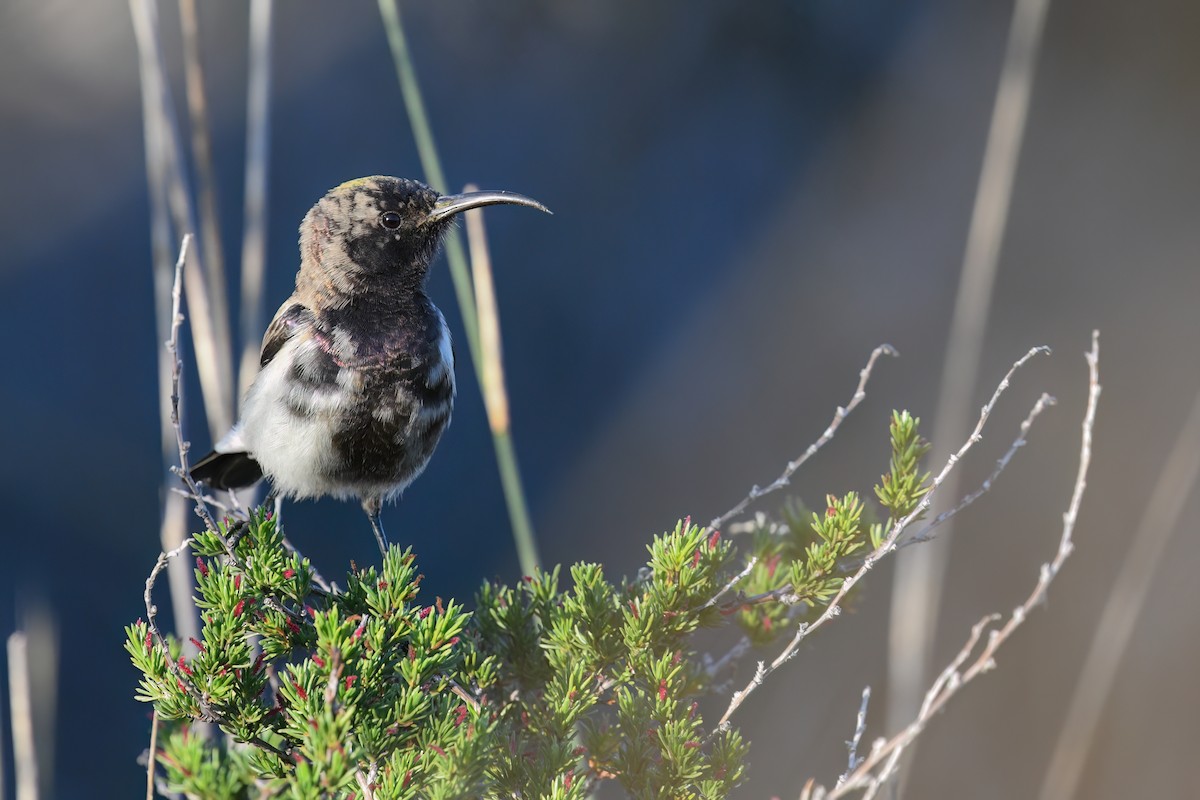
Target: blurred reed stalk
[(33, 656), (920, 572), (209, 233), (1118, 621), (254, 230), (414, 104), (173, 213), (170, 213), (495, 393), (20, 695), (461, 275)]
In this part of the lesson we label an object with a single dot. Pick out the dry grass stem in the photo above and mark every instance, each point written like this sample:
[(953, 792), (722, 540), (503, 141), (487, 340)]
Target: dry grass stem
[(20, 696), (254, 226), (211, 255), (495, 394)]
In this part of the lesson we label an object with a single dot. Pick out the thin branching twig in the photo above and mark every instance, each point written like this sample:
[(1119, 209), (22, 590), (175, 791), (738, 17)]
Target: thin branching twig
[(158, 174), (928, 532), (1126, 598), (785, 593), (920, 574), (887, 546), (182, 469), (495, 393), (734, 581), (207, 711), (860, 726), (842, 412), (885, 756)]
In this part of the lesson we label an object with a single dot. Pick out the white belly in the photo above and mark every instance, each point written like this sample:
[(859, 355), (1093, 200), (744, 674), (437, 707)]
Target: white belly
[(294, 449)]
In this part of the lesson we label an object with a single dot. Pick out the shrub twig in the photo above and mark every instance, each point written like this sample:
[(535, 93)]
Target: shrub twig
[(1122, 608), (887, 546), (881, 764), (842, 412), (927, 533)]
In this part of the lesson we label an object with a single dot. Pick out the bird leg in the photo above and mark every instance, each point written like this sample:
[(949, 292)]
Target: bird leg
[(373, 505)]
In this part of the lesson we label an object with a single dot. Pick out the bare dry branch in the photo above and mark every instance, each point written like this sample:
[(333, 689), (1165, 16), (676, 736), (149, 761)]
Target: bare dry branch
[(920, 574), (859, 393), (887, 546), (927, 533), (881, 764), (860, 727), (176, 372), (734, 581)]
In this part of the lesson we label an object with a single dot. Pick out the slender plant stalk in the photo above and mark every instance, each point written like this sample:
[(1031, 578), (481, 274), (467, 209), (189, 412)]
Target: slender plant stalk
[(174, 519), (20, 696), (254, 236), (210, 253), (495, 393), (150, 757), (1123, 608), (414, 104), (460, 273)]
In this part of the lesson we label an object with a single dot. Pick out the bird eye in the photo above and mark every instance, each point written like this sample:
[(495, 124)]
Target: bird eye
[(389, 220)]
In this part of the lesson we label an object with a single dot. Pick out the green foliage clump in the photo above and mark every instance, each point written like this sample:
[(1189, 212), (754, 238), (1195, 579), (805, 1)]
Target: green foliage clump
[(540, 692), (798, 560), (543, 690)]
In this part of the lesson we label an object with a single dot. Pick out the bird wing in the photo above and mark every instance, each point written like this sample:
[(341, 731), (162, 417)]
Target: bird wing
[(290, 319)]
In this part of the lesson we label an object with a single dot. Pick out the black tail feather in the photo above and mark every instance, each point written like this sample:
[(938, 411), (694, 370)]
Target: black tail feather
[(227, 470)]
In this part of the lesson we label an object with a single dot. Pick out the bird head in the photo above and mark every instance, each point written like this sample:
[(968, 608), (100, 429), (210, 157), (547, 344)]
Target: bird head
[(380, 228)]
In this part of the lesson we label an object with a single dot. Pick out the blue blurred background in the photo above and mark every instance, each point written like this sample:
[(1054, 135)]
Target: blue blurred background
[(748, 197)]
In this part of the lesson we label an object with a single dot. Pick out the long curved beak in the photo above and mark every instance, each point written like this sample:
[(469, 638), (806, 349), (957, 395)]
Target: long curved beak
[(450, 204)]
